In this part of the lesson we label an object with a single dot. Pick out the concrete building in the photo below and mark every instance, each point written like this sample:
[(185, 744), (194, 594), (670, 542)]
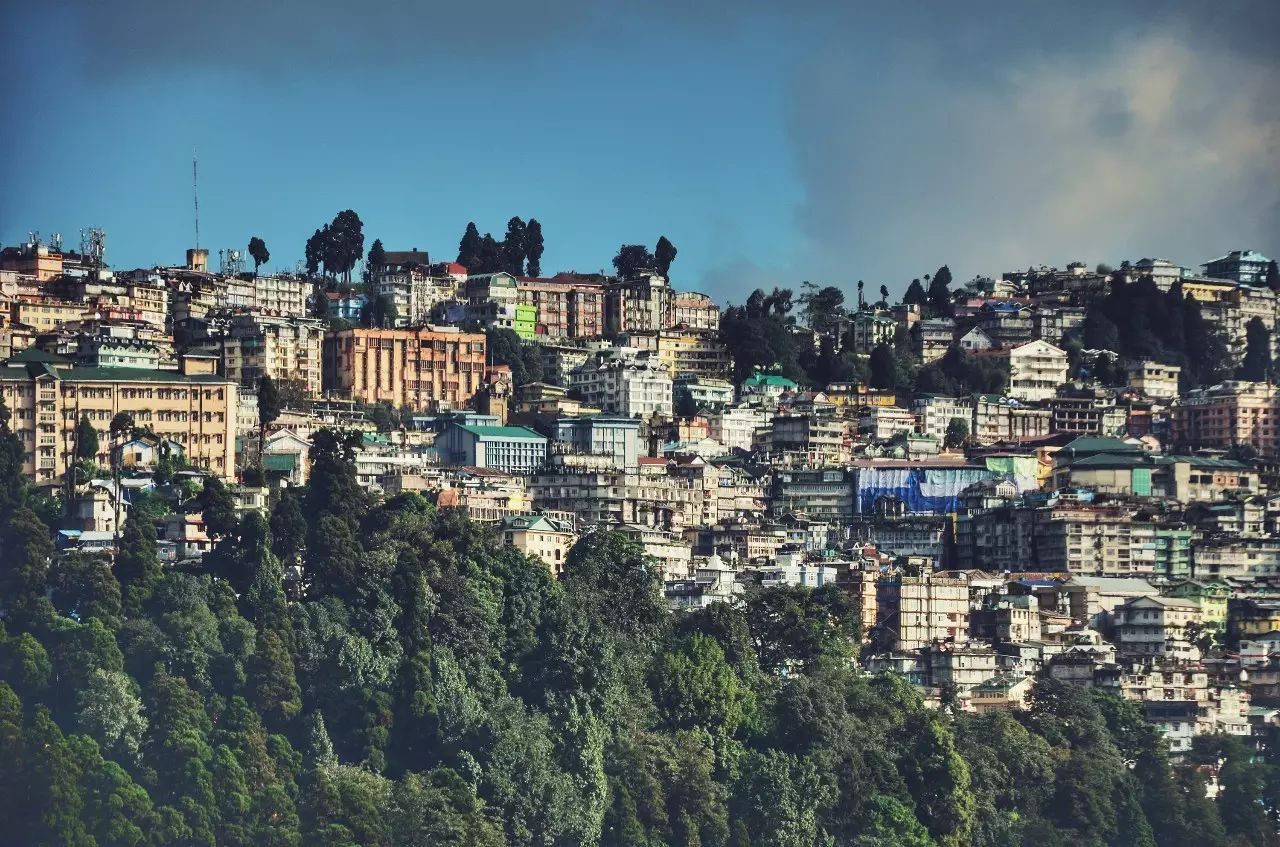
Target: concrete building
[(640, 303), (626, 383), (47, 397), (1036, 369), (1247, 267), (1154, 626), (693, 310), (871, 329), (762, 389), (1086, 411), (1154, 379), (603, 435), (882, 423), (1229, 414), (541, 537), (706, 393), (997, 418), (569, 306), (914, 611), (511, 449), (684, 352), (930, 339), (284, 348), (736, 427), (935, 413), (426, 369)]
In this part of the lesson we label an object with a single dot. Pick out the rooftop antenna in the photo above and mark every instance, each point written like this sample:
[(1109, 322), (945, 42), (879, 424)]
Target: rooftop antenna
[(195, 192)]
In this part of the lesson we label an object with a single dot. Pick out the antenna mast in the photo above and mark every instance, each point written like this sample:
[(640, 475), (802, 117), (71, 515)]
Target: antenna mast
[(195, 192)]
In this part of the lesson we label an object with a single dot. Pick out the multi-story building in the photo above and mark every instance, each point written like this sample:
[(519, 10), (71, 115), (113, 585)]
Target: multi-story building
[(510, 449), (625, 382), (603, 435), (1154, 379), (1036, 369), (997, 419), (569, 306), (1153, 626), (871, 329), (1247, 267), (1227, 415), (693, 310), (282, 294), (45, 314), (1086, 411), (1006, 324), (735, 427), (47, 397), (762, 389), (684, 352), (805, 439), (914, 611), (411, 287), (881, 423), (935, 413), (1235, 558), (283, 348), (641, 303), (930, 339), (1052, 323), (705, 392), (540, 536), (823, 494), (427, 369)]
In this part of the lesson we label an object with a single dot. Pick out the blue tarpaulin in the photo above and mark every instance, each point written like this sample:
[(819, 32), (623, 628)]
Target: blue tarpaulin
[(921, 490)]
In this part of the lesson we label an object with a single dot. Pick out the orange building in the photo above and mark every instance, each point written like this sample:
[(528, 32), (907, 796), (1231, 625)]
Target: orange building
[(569, 305), (426, 369)]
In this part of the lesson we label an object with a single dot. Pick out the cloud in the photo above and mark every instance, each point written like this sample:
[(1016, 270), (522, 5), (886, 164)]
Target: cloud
[(1146, 142)]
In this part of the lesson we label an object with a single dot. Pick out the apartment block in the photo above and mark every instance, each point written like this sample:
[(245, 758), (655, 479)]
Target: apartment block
[(282, 347), (1228, 414), (47, 397), (427, 369)]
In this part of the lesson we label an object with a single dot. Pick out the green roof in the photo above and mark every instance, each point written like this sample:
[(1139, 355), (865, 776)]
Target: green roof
[(35, 354), (1110, 460), (756, 380), (501, 431), (285, 462), (109, 374)]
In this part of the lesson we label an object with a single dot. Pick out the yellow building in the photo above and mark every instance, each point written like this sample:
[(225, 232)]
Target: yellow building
[(47, 397), (45, 314), (685, 352), (535, 535)]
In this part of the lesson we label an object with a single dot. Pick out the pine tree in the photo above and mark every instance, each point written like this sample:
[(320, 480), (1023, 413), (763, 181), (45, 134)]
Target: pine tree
[(469, 248), (137, 566), (533, 247)]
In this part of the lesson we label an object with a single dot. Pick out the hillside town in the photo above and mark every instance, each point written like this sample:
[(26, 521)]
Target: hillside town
[(1065, 473)]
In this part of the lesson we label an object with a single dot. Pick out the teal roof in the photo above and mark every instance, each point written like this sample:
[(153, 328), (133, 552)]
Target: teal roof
[(110, 374), (1110, 460), (760, 380), (35, 354), (502, 432), (285, 462)]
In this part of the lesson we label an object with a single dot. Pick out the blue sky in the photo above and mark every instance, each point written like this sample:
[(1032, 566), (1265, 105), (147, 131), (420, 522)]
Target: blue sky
[(834, 142)]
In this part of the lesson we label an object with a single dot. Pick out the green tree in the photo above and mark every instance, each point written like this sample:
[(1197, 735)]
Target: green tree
[(1256, 366), (884, 297), (86, 440), (633, 258), (24, 565), (957, 432), (269, 408), (136, 566), (513, 247), (218, 508), (664, 254), (110, 712), (695, 687), (916, 295), (884, 368), (533, 247), (83, 587), (1272, 276), (939, 294), (259, 253), (377, 255), (12, 477), (469, 248), (288, 527)]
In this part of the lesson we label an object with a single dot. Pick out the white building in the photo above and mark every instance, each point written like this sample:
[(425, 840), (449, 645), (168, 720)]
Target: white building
[(881, 423), (934, 415), (1036, 369), (735, 428), (1155, 379), (625, 383)]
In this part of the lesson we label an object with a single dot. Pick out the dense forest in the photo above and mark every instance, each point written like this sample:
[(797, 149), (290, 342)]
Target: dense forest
[(422, 684)]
